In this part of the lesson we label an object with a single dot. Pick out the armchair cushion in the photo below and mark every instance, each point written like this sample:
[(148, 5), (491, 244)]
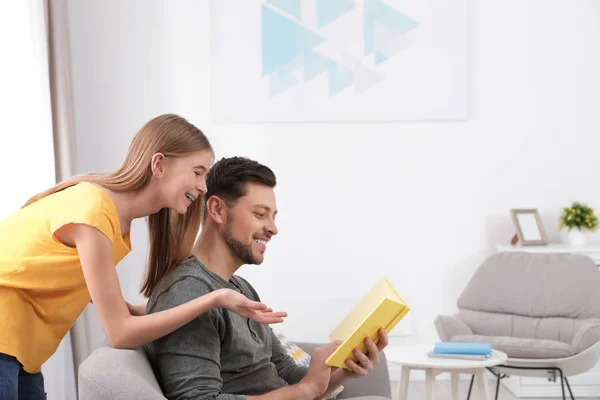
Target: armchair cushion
[(522, 347), (520, 326), (586, 336), (534, 285)]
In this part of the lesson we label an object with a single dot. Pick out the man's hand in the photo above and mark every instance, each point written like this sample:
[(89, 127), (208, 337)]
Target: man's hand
[(240, 304), (319, 374), (367, 361)]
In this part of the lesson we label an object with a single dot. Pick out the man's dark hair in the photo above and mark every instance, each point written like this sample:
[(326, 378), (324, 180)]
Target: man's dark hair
[(228, 178)]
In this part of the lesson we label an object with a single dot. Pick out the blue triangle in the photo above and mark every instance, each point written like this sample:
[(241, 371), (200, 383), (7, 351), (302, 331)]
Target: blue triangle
[(279, 82), (375, 10), (329, 10), (314, 64), (339, 78), (380, 57), (292, 7), (283, 40), (307, 40)]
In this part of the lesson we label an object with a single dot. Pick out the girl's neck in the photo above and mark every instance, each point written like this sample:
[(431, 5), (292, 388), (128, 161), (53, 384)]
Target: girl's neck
[(133, 205)]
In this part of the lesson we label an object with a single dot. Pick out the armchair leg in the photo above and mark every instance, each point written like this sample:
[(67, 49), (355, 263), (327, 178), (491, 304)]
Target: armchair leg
[(497, 386), (569, 387), (563, 379), (562, 384), (471, 386)]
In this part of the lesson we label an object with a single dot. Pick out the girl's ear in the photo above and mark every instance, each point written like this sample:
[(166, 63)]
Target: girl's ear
[(156, 164), (216, 209)]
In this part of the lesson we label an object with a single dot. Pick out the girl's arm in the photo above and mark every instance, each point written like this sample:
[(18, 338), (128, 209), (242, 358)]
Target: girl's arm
[(136, 310), (124, 330)]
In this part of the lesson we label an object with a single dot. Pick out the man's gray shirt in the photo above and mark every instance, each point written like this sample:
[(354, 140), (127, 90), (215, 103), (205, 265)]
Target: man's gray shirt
[(218, 355)]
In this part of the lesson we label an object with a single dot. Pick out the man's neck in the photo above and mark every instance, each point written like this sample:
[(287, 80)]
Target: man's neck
[(214, 253)]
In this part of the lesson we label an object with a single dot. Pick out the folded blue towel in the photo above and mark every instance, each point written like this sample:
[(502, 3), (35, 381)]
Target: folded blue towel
[(462, 348)]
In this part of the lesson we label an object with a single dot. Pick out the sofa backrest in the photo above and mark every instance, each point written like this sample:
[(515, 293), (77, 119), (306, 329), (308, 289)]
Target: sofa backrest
[(109, 374)]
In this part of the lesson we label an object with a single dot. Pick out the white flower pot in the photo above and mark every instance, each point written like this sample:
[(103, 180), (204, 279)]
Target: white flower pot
[(577, 238)]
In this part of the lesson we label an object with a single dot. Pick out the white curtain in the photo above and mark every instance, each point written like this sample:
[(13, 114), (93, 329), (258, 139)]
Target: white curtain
[(26, 121), (76, 344), (27, 133)]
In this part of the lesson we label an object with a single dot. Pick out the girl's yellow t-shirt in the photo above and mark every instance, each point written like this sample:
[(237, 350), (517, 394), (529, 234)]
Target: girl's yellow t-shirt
[(42, 288)]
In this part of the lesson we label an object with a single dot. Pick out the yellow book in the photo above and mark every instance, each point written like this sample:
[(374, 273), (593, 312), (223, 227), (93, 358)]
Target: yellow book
[(381, 307)]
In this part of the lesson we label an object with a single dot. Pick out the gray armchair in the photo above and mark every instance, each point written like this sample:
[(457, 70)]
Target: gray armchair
[(542, 310), (110, 374)]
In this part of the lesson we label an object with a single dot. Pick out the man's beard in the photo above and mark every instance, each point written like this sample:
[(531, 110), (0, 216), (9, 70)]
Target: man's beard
[(241, 250)]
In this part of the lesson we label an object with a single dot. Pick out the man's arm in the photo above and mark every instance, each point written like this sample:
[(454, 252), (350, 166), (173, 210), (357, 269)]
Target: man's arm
[(287, 368), (313, 385), (189, 358)]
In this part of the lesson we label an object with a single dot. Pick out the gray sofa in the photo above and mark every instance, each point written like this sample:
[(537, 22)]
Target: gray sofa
[(110, 374)]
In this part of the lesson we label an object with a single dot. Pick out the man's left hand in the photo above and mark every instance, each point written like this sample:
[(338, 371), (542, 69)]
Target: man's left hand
[(366, 361)]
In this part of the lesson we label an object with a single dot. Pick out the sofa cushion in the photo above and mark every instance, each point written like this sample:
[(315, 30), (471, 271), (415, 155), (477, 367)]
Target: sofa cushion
[(301, 357), (522, 347)]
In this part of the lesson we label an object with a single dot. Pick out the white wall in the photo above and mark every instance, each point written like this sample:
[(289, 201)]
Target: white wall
[(419, 203)]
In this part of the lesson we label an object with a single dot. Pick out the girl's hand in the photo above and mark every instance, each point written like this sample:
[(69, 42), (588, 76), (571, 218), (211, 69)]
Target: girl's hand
[(240, 304)]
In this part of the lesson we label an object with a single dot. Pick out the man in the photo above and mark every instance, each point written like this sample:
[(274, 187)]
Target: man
[(221, 355)]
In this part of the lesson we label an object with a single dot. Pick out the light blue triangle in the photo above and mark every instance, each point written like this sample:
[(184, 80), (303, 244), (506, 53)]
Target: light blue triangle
[(283, 40), (307, 40), (292, 7), (279, 82), (330, 10), (314, 64), (374, 11), (380, 57), (339, 78), (278, 40)]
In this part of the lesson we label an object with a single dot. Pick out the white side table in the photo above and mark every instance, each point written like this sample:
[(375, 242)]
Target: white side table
[(415, 357)]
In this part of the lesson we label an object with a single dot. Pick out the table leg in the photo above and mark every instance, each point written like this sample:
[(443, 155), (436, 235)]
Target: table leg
[(484, 388), (429, 381), (403, 388), (454, 378)]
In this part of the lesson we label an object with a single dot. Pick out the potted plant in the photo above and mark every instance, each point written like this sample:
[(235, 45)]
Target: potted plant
[(578, 219)]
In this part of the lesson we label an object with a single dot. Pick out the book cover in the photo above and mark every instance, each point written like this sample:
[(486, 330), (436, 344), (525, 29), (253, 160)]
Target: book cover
[(462, 348), (381, 307), (476, 357)]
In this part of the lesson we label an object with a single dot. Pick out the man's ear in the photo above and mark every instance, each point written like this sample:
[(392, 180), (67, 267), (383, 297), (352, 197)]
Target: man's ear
[(216, 209), (156, 164)]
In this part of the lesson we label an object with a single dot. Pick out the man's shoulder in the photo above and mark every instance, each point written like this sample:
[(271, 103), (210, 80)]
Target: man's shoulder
[(246, 287), (187, 280)]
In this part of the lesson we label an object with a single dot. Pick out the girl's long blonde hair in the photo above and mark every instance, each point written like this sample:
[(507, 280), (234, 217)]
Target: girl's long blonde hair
[(171, 235)]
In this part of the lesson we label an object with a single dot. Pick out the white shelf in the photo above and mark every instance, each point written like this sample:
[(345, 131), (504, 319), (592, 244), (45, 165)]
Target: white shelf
[(592, 250)]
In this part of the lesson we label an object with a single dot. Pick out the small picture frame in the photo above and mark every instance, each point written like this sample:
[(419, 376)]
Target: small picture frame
[(529, 226)]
